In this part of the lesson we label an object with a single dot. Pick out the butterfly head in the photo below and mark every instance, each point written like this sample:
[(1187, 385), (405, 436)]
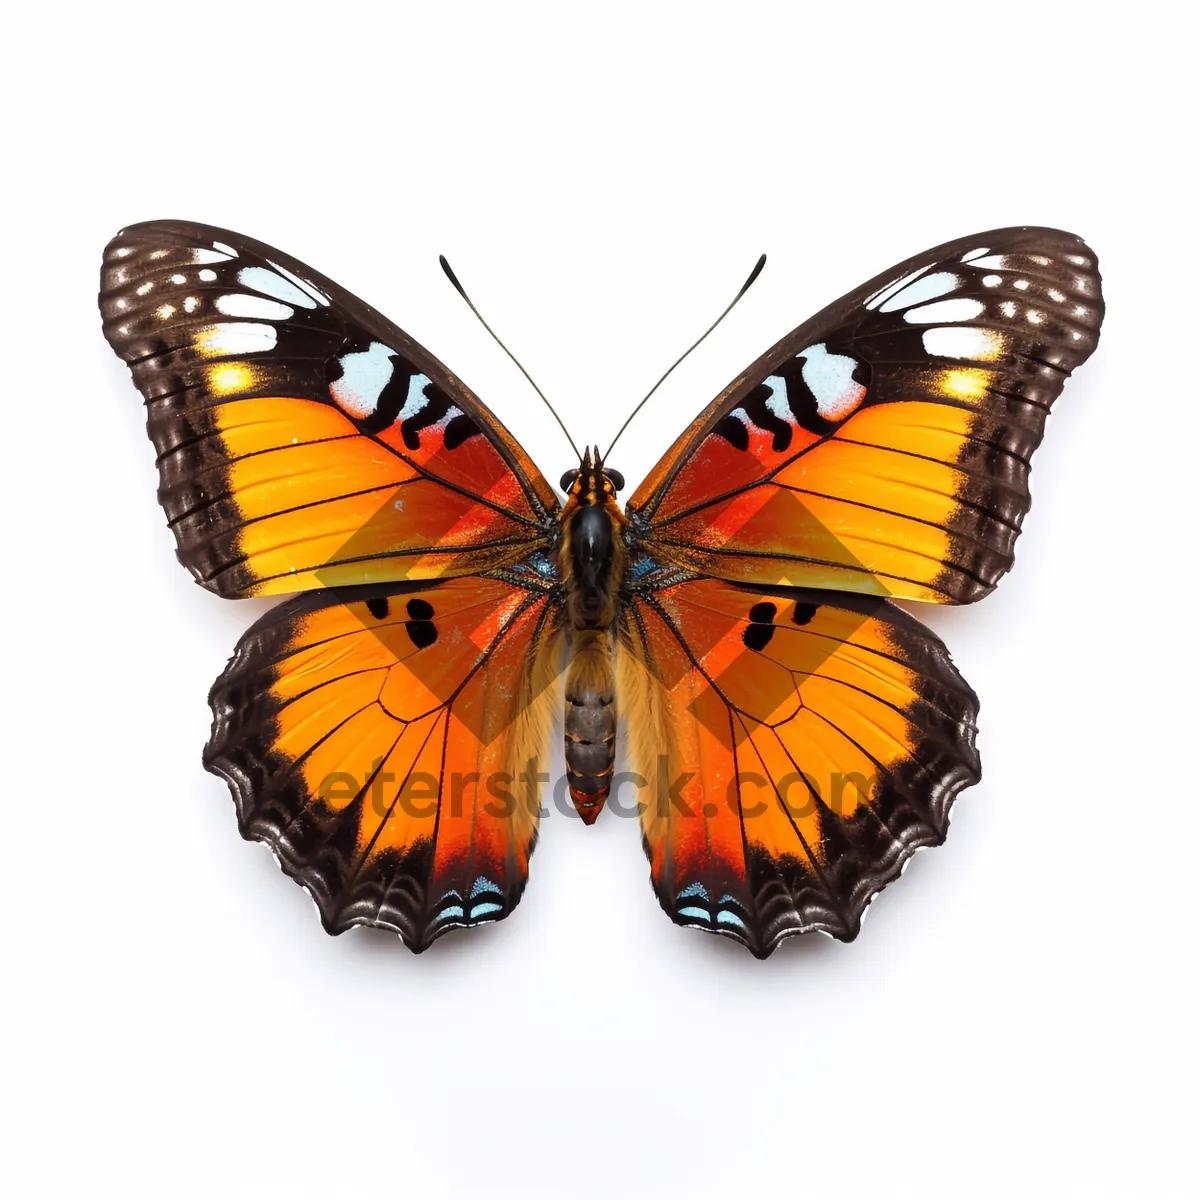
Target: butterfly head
[(592, 483)]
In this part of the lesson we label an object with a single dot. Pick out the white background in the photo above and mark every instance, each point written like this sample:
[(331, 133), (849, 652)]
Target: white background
[(1018, 1015)]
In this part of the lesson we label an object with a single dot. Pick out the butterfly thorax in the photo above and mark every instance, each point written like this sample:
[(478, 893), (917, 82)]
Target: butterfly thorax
[(592, 561)]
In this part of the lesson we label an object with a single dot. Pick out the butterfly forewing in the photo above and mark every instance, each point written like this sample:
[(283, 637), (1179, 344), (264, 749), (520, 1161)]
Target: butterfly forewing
[(884, 445), (303, 440)]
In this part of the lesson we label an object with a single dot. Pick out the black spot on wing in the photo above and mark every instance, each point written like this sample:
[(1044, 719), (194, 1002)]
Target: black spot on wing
[(420, 627), (803, 613), (758, 634), (757, 410), (436, 406), (800, 398), (459, 429), (422, 633), (733, 431), (758, 637), (391, 399), (334, 368), (377, 606)]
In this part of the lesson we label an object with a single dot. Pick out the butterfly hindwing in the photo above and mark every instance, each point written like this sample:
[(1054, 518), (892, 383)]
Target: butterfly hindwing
[(799, 746), (384, 742), (883, 446), (303, 440)]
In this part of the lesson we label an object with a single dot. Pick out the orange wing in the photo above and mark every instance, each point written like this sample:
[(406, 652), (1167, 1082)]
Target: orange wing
[(883, 446), (798, 746), (386, 746), (303, 440)]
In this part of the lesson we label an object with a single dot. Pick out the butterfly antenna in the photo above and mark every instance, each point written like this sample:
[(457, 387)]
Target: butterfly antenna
[(758, 266), (458, 287)]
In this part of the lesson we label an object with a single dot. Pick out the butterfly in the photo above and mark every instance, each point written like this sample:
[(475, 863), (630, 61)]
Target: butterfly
[(792, 736)]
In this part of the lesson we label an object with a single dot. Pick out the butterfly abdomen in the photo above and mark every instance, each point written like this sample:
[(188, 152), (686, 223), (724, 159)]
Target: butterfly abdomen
[(590, 722)]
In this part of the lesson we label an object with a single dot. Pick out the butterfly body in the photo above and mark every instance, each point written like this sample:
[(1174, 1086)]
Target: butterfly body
[(793, 736), (592, 561)]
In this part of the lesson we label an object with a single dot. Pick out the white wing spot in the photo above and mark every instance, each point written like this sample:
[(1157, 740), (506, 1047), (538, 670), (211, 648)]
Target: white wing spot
[(927, 288), (303, 284), (270, 284), (993, 262), (884, 292), (239, 338), (416, 400), (830, 379), (964, 342), (237, 304), (945, 310), (777, 402), (365, 373)]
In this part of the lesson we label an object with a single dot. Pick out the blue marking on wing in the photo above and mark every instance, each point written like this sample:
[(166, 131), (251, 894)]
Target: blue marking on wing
[(642, 566), (540, 565), (722, 916), (270, 284), (416, 399), (365, 373)]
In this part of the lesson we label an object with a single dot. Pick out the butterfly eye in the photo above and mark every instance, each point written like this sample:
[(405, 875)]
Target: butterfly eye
[(618, 480), (567, 480)]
